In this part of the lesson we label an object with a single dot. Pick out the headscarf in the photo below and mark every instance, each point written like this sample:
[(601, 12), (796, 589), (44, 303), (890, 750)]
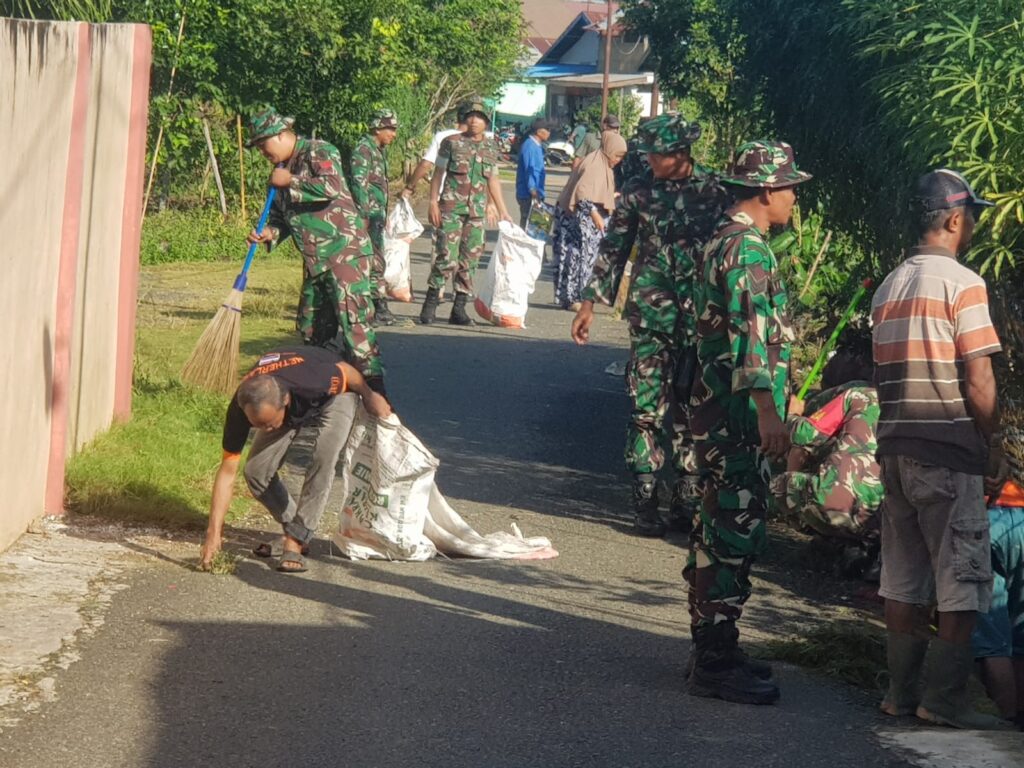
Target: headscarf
[(594, 179)]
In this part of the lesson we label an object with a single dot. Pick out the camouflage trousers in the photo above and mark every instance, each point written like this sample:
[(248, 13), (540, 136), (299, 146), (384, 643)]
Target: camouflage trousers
[(730, 532), (335, 312), (654, 360), (821, 501), (459, 248), (378, 288)]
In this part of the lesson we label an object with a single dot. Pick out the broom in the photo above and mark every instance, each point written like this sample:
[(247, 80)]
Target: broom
[(831, 343), (214, 361)]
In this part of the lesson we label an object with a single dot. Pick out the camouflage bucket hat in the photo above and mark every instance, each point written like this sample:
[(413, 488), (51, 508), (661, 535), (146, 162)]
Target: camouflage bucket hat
[(472, 105), (384, 118), (266, 123), (765, 163), (666, 134)]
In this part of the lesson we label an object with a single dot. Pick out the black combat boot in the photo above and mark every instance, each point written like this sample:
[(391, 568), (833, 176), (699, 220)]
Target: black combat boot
[(646, 520), (429, 307), (382, 315), (719, 669), (459, 316), (756, 667), (685, 503)]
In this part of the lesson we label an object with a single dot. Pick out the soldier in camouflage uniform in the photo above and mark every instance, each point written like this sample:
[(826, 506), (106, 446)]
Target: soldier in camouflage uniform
[(739, 403), (832, 482), (669, 213), (368, 176), (469, 161), (313, 205)]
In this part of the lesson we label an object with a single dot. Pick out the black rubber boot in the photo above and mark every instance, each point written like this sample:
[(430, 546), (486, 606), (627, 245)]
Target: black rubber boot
[(646, 520), (719, 673), (685, 503), (429, 307), (459, 316), (382, 315)]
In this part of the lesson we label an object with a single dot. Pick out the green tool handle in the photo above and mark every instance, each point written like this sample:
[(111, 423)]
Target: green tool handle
[(830, 344)]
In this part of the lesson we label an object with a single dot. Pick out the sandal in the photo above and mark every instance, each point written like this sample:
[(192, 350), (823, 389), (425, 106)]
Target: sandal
[(299, 563), (274, 548)]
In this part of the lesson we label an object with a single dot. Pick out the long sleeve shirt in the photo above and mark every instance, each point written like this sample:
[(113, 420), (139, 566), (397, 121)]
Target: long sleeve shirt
[(530, 171)]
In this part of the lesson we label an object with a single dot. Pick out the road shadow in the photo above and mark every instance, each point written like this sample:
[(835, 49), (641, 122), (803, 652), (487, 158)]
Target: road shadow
[(407, 671)]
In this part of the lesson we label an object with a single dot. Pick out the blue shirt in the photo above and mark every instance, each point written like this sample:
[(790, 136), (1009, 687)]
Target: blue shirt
[(530, 172)]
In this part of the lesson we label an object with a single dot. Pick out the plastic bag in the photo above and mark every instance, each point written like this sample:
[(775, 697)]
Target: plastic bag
[(510, 278), (541, 222), (394, 511), (401, 228)]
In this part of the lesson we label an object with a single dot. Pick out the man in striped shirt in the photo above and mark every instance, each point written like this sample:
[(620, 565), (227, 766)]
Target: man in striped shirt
[(933, 342)]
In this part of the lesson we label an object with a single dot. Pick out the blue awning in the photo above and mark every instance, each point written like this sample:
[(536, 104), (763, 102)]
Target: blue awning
[(544, 71)]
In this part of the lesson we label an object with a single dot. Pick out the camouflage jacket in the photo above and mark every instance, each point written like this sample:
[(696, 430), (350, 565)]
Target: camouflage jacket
[(317, 210), (670, 221), (743, 329), (841, 474), (468, 166), (369, 178)]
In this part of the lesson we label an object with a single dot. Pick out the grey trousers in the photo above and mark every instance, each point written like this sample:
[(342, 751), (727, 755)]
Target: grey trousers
[(267, 454)]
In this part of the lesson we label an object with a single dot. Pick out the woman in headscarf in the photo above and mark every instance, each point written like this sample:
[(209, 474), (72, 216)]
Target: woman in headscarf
[(583, 208)]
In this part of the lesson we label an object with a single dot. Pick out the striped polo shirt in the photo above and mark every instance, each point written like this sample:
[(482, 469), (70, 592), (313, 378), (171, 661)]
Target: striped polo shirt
[(930, 315)]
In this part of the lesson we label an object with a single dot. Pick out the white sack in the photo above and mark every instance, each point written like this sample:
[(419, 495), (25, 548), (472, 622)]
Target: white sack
[(511, 277), (394, 511), (401, 228)]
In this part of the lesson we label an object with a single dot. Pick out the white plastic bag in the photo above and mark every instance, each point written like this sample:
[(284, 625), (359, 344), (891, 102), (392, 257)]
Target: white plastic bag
[(394, 511), (401, 228), (511, 276)]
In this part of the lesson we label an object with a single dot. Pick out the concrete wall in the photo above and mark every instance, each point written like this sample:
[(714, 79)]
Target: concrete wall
[(74, 126)]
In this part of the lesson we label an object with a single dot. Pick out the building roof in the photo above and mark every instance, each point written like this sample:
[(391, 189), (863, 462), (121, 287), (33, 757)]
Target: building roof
[(547, 19), (555, 69)]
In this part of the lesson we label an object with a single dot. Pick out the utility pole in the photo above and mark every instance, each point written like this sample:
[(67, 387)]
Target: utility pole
[(607, 62)]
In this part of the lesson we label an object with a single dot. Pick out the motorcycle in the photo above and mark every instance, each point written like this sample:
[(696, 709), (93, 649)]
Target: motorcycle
[(559, 153)]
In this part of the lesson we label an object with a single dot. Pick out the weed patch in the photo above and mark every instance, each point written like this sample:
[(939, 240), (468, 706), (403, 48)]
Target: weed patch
[(851, 650), (158, 468)]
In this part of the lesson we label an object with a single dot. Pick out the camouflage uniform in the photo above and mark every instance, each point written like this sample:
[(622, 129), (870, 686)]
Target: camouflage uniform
[(743, 344), (839, 491), (319, 214), (670, 220), (368, 174), (468, 165)]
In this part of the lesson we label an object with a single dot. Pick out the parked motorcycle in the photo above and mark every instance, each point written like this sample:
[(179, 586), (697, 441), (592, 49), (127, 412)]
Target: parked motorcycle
[(559, 153)]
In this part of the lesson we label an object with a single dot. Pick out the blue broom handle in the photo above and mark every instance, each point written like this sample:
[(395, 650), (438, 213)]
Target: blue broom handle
[(243, 276)]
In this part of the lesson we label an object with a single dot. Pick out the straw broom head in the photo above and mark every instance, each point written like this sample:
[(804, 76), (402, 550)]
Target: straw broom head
[(214, 361)]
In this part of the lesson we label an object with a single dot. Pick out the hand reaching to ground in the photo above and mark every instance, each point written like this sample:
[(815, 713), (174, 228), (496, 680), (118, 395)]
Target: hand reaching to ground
[(211, 546)]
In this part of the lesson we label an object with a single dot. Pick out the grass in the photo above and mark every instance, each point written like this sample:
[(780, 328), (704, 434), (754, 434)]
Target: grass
[(851, 650), (158, 468)]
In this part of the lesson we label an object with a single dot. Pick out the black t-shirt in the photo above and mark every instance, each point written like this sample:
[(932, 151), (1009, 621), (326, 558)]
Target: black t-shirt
[(312, 377)]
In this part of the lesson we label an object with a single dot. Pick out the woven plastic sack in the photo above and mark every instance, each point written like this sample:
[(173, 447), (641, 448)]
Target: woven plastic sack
[(394, 511), (511, 276), (401, 228)]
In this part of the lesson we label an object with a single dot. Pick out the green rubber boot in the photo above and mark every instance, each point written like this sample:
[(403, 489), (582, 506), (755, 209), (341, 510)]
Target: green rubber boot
[(947, 668), (904, 656)]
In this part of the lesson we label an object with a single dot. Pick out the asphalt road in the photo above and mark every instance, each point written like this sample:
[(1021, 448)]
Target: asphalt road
[(576, 661)]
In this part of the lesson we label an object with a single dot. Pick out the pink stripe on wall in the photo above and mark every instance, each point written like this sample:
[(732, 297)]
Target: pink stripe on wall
[(131, 222), (54, 502)]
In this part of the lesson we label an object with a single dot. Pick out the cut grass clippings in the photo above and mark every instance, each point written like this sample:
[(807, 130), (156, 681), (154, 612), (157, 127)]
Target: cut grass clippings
[(158, 468), (848, 649)]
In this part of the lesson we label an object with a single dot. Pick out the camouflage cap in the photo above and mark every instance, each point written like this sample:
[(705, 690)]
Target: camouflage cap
[(764, 163), (266, 123), (384, 118), (471, 105), (666, 134)]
